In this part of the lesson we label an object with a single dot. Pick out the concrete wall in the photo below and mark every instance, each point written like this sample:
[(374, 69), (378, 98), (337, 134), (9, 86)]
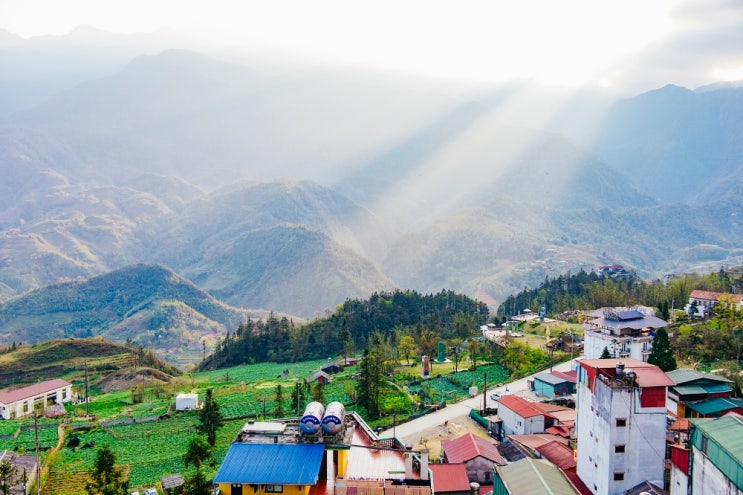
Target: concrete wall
[(706, 479)]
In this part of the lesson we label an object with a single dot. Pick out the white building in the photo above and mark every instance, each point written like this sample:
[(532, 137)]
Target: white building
[(713, 465), (625, 332), (621, 424), (186, 402), (701, 302), (22, 401)]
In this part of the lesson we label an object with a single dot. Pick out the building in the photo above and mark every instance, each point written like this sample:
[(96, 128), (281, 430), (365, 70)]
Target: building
[(713, 462), (555, 383), (281, 457), (621, 424), (477, 454), (532, 476), (519, 416), (701, 302), (186, 402), (624, 332), (24, 401), (694, 387), (449, 479)]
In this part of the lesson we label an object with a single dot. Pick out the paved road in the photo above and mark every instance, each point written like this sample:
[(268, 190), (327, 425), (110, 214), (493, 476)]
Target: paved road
[(409, 432)]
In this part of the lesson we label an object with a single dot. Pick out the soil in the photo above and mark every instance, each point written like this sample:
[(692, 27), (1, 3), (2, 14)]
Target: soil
[(430, 438), (125, 380)]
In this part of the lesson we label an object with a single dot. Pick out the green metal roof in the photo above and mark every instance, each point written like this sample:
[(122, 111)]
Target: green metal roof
[(683, 376), (535, 476), (717, 405), (724, 445), (702, 388)]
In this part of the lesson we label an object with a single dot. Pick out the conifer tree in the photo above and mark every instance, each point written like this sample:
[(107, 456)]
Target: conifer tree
[(606, 354), (210, 419), (105, 478), (661, 354)]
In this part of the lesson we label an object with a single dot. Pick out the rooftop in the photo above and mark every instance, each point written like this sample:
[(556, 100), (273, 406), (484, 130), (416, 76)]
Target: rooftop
[(683, 376), (535, 476), (715, 406), (32, 391), (469, 446), (646, 374), (449, 478)]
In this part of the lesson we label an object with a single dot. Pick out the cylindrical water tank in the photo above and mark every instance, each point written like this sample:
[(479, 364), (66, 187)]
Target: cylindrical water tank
[(312, 418), (332, 421)]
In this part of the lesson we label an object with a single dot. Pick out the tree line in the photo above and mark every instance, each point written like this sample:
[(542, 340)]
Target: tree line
[(431, 317)]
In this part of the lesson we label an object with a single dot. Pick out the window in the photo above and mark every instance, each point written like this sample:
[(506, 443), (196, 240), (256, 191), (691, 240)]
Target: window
[(618, 476), (64, 394), (619, 449), (274, 488), (621, 422)]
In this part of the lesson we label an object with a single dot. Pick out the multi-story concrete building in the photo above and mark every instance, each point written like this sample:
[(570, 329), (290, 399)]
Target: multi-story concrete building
[(624, 332), (621, 424)]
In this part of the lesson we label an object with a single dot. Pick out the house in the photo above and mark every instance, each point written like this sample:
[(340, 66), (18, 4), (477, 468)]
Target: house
[(713, 462), (532, 476), (272, 457), (701, 302), (522, 417), (186, 402), (621, 424), (320, 377), (714, 408), (450, 479), (23, 401), (476, 453), (690, 387), (624, 332), (555, 383), (171, 483), (331, 368)]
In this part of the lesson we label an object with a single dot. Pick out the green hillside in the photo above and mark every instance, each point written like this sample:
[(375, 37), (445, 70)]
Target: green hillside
[(148, 305), (69, 358)]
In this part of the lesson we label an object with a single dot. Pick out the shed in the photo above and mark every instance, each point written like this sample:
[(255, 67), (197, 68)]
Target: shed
[(555, 383), (450, 479), (171, 482), (186, 402), (476, 453)]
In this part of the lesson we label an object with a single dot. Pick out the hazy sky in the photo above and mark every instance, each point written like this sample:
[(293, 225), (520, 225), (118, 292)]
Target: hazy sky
[(629, 45)]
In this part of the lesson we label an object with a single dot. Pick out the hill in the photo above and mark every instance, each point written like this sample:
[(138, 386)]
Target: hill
[(69, 358), (148, 305)]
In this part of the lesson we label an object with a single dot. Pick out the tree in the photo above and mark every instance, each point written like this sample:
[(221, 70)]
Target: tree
[(371, 375), (661, 354), (279, 409), (406, 347), (197, 454), (7, 471), (210, 419), (318, 392), (298, 398), (105, 478), (605, 354)]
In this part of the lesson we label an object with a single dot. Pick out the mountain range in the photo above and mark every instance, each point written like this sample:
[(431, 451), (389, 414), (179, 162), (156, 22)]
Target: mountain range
[(291, 191)]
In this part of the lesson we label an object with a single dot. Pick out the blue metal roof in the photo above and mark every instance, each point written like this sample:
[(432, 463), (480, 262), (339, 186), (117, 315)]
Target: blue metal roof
[(271, 464)]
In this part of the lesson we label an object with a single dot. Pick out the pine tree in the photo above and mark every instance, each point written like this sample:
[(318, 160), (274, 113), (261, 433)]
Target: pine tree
[(606, 354), (197, 454), (210, 419), (105, 478), (279, 399), (661, 354)]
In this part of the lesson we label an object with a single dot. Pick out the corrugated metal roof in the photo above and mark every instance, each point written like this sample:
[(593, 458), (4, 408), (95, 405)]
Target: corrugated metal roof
[(558, 454), (727, 434), (535, 477), (648, 375), (272, 464), (683, 376), (469, 446), (716, 405), (449, 478), (32, 391), (520, 406), (550, 378)]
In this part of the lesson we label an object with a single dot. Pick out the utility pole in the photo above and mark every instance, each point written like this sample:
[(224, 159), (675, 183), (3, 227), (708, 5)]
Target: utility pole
[(484, 392), (87, 400), (38, 464)]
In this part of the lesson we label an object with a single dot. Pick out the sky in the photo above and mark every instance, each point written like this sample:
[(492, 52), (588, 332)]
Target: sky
[(627, 46)]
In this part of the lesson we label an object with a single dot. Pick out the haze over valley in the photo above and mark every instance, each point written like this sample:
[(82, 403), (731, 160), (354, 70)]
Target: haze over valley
[(291, 187)]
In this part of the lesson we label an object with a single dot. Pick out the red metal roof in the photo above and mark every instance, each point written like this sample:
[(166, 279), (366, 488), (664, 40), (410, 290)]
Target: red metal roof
[(521, 406), (469, 446), (648, 375), (571, 376), (536, 440), (713, 296), (449, 478), (558, 454), (32, 391)]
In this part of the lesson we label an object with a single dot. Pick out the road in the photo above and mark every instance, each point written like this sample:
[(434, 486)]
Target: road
[(409, 432)]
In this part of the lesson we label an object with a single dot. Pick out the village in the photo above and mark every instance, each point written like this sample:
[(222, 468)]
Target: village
[(605, 425)]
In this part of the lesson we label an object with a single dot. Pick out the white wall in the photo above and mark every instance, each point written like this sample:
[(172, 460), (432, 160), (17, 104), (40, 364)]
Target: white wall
[(707, 479), (513, 424)]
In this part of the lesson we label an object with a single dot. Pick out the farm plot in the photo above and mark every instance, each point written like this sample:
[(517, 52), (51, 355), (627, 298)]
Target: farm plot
[(26, 440)]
